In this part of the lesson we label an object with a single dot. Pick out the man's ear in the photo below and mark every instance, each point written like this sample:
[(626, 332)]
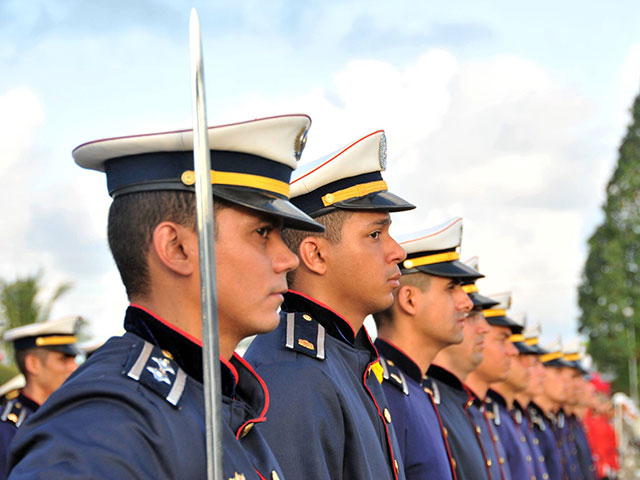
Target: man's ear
[(175, 247), (407, 299), (312, 254), (32, 364)]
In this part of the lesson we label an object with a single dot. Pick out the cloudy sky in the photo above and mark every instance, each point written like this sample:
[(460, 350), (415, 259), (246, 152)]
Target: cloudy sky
[(505, 113)]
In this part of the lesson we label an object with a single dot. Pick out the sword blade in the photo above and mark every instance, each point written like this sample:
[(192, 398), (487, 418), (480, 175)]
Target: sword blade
[(206, 249)]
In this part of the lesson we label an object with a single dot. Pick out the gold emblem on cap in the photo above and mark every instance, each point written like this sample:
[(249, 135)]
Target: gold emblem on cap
[(188, 177), (387, 415), (300, 142), (306, 344)]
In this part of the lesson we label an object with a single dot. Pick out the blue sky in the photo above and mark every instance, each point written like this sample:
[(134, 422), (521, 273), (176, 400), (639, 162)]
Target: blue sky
[(506, 113)]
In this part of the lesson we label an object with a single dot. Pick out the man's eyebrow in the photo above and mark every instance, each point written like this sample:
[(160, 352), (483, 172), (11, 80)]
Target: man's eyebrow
[(380, 223)]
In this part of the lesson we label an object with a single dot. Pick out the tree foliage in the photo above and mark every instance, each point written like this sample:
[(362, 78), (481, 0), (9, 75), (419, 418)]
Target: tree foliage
[(609, 294), (20, 302)]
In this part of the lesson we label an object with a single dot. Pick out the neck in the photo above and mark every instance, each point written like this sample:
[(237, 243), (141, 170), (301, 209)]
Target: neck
[(478, 384), (337, 301), (449, 363), (545, 403), (35, 392), (422, 353), (507, 393), (523, 399)]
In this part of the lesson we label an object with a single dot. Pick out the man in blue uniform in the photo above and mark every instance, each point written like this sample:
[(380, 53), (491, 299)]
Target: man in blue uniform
[(135, 409), (46, 354), (520, 412), (543, 407), (427, 315), (329, 418), (501, 398), (474, 446)]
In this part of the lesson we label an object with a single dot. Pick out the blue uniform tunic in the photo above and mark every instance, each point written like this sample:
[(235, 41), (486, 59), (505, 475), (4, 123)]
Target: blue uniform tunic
[(566, 443), (15, 408), (519, 456), (522, 419), (135, 409), (543, 429), (470, 457), (493, 447), (585, 459), (423, 446), (329, 418)]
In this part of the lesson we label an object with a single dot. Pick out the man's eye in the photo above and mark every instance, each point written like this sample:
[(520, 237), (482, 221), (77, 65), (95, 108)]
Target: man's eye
[(264, 231), (375, 235)]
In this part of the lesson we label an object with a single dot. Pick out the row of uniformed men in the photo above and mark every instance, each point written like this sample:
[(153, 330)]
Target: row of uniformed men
[(311, 398)]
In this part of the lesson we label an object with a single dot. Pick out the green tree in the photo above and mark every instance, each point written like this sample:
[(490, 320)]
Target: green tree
[(20, 304), (609, 294)]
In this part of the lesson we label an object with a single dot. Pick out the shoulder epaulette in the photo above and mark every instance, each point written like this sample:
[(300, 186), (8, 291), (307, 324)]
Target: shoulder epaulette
[(393, 375), (153, 368), (432, 389), (13, 411), (304, 335), (495, 411)]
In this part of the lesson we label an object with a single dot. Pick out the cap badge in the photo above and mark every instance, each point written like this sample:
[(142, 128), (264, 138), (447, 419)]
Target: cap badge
[(300, 143), (382, 152), (160, 373)]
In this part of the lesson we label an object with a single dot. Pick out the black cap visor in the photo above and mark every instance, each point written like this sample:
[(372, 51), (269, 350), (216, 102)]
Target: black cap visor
[(67, 349), (274, 205), (385, 201), (504, 321), (454, 269), (481, 302), (525, 349)]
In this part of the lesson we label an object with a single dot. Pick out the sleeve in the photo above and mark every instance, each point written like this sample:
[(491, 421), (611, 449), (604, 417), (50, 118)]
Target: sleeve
[(304, 426), (7, 432), (89, 436)]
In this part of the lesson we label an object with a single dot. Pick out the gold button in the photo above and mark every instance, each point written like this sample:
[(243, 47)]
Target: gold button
[(488, 462), (528, 457), (501, 460), (387, 415), (247, 428), (541, 458), (307, 317), (167, 354), (12, 417), (545, 476), (478, 430), (536, 441), (522, 439), (495, 439), (395, 465), (533, 477), (275, 476), (390, 363), (18, 405), (446, 432), (453, 463)]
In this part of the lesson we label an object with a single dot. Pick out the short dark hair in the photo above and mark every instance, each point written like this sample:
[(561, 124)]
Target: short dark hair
[(419, 280), (21, 356), (132, 220), (333, 223)]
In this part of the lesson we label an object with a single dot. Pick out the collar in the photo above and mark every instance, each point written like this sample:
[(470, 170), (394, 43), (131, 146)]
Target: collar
[(496, 397), (399, 358), (238, 379), (334, 323), (27, 402), (445, 376)]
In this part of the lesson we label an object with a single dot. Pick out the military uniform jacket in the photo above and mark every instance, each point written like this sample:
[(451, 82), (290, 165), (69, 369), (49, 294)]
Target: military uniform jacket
[(582, 446), (543, 429), (453, 401), (134, 410), (487, 435), (15, 408), (329, 418), (519, 455), (520, 415), (423, 445), (565, 442)]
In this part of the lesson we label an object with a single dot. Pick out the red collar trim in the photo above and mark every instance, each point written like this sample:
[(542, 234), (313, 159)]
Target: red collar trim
[(230, 366), (167, 324), (317, 302), (246, 365)]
